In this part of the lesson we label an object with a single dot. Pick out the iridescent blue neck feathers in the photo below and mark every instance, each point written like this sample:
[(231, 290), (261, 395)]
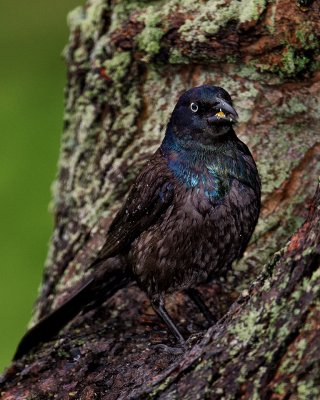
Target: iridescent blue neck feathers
[(208, 168)]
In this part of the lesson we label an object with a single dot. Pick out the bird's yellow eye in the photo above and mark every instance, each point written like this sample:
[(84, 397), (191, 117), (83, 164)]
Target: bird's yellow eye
[(220, 114), (194, 107)]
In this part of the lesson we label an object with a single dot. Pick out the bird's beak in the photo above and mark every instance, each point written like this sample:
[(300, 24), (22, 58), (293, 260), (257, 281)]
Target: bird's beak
[(223, 112)]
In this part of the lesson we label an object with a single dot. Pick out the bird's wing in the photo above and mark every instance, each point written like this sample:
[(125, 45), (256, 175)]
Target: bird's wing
[(149, 197)]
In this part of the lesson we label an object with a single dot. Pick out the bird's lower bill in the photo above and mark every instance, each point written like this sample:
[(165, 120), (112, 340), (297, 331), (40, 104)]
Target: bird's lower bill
[(220, 118)]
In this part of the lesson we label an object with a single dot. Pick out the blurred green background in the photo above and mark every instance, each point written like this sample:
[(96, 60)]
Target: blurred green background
[(32, 77)]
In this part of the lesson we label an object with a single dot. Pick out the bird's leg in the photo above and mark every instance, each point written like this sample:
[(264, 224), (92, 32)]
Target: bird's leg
[(158, 306), (196, 297)]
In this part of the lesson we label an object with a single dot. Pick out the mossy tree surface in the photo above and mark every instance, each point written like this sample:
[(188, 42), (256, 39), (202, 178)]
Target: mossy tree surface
[(128, 61)]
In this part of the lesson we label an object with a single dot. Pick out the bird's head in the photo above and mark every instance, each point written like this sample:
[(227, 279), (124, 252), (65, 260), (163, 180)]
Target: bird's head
[(202, 115)]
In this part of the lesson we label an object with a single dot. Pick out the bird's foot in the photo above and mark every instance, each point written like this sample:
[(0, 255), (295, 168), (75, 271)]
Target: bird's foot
[(176, 350), (195, 338)]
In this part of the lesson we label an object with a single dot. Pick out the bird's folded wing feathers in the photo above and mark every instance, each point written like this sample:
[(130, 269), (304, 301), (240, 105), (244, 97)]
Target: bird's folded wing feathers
[(148, 198)]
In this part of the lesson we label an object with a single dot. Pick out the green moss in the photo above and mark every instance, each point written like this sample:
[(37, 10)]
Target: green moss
[(251, 10), (175, 57), (288, 139), (232, 59), (160, 388), (162, 103), (293, 63), (203, 364), (88, 19), (151, 16), (308, 389), (242, 377), (306, 36), (296, 59), (289, 67), (279, 388), (251, 72), (293, 107), (298, 56), (117, 66), (215, 14), (125, 120), (149, 41), (301, 347), (149, 38), (247, 326), (62, 353), (75, 18)]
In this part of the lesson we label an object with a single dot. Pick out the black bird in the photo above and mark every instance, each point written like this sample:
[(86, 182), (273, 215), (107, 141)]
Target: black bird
[(188, 216)]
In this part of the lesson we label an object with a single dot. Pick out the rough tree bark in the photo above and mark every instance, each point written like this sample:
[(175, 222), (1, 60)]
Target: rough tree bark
[(128, 61)]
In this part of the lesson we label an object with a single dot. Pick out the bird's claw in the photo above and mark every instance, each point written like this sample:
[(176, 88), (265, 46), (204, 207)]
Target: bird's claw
[(171, 350)]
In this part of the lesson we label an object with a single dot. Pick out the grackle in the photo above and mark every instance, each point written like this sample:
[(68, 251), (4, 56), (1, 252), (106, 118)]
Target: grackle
[(188, 216)]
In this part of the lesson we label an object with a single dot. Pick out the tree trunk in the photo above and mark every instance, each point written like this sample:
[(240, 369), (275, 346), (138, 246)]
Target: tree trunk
[(128, 62)]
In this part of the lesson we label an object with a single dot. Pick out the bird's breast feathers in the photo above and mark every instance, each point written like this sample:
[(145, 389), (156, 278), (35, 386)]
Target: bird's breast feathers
[(213, 178)]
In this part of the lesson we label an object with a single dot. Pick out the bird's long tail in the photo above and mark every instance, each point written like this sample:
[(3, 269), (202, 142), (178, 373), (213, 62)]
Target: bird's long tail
[(96, 289)]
